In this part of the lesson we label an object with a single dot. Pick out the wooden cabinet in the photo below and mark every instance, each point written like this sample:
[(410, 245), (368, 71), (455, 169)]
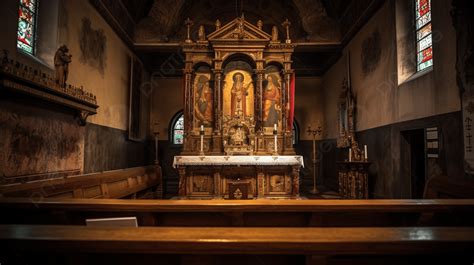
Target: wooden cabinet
[(354, 180)]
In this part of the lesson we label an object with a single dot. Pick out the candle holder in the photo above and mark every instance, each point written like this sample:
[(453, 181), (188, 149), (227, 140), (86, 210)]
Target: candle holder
[(314, 133), (201, 133), (275, 135)]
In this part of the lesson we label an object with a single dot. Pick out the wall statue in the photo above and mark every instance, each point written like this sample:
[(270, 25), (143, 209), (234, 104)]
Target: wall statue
[(61, 65)]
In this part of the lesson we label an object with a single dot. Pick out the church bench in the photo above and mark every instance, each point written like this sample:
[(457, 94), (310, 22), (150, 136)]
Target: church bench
[(108, 184), (257, 213), (317, 244), (443, 187)]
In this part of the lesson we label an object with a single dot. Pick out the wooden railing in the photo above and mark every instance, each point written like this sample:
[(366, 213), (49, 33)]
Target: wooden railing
[(256, 213), (69, 242), (107, 184)]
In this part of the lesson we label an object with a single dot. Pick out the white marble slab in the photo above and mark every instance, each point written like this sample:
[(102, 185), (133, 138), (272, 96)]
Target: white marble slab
[(238, 161)]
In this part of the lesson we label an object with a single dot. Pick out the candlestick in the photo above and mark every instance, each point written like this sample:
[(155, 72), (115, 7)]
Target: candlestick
[(274, 127), (365, 152), (201, 152), (314, 132), (276, 145)]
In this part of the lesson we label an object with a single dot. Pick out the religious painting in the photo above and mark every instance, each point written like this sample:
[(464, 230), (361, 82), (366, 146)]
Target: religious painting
[(203, 100), (238, 94), (272, 100)]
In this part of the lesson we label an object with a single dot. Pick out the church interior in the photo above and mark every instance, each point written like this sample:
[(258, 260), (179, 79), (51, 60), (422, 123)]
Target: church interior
[(236, 132)]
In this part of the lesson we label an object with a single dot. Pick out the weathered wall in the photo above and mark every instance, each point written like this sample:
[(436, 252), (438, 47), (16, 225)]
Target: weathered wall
[(309, 104), (35, 139), (380, 100), (167, 100), (100, 63), (385, 108)]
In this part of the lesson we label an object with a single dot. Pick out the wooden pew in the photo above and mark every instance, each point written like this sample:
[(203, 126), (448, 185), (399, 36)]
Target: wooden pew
[(108, 184), (443, 187), (319, 245), (252, 213)]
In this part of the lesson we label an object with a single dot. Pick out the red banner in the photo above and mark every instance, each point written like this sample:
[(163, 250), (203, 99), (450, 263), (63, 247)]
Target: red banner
[(292, 101)]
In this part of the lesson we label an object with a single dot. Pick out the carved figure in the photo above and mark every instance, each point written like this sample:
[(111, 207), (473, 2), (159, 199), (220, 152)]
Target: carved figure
[(61, 64), (260, 24), (218, 24), (202, 33), (237, 138), (274, 33), (357, 154)]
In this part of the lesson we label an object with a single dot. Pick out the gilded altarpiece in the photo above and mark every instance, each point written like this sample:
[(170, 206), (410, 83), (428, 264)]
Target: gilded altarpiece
[(236, 103)]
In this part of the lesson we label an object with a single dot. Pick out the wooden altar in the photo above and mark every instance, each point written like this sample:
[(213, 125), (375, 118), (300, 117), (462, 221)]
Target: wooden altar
[(238, 98), (238, 177)]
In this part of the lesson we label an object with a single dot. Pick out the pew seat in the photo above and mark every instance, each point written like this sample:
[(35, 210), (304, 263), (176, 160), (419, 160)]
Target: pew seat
[(455, 243), (245, 213)]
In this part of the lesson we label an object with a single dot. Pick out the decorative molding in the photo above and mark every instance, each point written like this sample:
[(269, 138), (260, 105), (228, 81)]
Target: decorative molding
[(21, 78)]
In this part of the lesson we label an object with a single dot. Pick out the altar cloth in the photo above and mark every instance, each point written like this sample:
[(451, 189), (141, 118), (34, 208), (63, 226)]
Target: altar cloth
[(238, 161)]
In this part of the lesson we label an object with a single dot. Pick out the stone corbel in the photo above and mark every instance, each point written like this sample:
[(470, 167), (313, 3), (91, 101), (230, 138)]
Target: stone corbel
[(81, 117)]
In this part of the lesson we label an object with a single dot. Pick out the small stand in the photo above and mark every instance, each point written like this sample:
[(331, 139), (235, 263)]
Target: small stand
[(314, 132)]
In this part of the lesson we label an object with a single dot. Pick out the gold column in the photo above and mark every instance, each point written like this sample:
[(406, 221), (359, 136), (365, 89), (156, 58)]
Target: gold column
[(259, 102), (217, 137), (296, 181), (182, 181), (286, 99), (217, 100), (188, 106), (260, 182)]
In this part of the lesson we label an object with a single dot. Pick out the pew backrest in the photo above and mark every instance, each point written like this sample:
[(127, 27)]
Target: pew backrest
[(108, 184)]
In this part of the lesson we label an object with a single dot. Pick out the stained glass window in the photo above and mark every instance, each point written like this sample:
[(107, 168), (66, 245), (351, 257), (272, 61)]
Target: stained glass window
[(178, 129), (424, 43), (27, 25)]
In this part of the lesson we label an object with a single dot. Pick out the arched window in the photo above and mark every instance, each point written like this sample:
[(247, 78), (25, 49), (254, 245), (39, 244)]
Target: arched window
[(177, 128), (296, 132), (26, 34), (424, 46)]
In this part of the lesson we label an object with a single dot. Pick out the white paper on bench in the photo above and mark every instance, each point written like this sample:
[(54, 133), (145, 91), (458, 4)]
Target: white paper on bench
[(116, 222)]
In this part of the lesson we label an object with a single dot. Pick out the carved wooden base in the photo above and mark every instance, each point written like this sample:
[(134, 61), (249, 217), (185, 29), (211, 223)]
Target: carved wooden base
[(353, 180), (223, 182)]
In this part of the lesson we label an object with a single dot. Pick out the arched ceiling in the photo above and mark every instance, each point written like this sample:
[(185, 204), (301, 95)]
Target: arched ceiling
[(165, 19), (154, 29)]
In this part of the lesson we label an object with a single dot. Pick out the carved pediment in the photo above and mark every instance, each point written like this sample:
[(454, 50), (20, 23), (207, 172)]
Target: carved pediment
[(239, 29)]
